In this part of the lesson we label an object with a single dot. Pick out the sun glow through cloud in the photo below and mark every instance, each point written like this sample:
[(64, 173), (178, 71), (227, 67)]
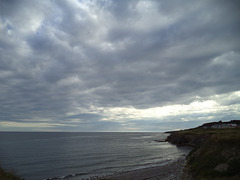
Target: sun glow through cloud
[(96, 65)]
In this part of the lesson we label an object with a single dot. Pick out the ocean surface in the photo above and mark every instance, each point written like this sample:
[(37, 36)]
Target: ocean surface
[(43, 155)]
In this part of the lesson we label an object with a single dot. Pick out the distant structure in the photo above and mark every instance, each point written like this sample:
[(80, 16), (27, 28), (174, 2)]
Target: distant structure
[(220, 124)]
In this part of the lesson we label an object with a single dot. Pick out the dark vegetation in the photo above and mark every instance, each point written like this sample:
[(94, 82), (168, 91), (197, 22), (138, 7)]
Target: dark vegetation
[(5, 175), (215, 154)]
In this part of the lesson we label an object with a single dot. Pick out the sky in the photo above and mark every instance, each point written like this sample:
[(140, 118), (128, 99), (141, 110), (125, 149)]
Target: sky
[(118, 65)]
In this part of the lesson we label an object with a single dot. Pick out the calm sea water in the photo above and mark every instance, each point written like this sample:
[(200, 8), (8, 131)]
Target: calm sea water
[(38, 156)]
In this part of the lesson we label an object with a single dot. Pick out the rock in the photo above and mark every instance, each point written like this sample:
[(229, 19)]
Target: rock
[(191, 140), (221, 167), (160, 140)]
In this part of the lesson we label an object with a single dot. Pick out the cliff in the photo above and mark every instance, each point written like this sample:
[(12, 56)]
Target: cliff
[(187, 138), (215, 153)]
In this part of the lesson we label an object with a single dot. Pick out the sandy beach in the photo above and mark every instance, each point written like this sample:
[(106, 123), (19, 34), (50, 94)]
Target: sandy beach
[(170, 171)]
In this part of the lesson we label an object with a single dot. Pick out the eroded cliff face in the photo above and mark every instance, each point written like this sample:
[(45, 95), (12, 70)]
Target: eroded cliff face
[(192, 140)]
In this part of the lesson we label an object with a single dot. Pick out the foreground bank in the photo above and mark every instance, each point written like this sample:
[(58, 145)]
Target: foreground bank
[(6, 175), (215, 153)]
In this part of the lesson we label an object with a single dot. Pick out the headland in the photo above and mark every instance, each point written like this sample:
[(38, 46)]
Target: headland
[(215, 153)]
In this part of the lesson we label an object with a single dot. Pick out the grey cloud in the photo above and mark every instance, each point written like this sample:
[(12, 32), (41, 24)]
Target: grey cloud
[(110, 60)]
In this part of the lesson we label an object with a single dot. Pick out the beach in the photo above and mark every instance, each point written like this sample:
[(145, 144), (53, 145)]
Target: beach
[(169, 171)]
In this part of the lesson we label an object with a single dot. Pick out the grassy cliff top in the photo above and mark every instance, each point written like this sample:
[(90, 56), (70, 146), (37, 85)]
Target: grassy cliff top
[(215, 155), (220, 134)]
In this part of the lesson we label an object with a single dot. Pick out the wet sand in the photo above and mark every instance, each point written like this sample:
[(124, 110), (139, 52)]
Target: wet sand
[(170, 171)]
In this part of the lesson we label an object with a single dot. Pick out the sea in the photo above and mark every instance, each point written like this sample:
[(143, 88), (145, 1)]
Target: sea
[(83, 155)]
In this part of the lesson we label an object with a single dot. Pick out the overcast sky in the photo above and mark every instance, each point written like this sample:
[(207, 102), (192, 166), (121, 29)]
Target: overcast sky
[(118, 65)]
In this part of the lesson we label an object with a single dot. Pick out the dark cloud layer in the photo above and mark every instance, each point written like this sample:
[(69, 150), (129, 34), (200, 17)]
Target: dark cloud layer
[(72, 65)]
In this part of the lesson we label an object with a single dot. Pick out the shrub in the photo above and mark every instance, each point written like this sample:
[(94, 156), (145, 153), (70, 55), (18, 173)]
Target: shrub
[(5, 175)]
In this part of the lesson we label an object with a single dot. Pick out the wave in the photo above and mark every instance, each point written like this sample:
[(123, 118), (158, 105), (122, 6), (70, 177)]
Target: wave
[(67, 176), (106, 171)]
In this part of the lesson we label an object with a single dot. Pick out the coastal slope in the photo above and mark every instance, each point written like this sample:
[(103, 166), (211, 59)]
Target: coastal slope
[(6, 175), (215, 153)]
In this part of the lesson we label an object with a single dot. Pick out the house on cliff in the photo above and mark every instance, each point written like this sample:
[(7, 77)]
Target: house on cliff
[(220, 124)]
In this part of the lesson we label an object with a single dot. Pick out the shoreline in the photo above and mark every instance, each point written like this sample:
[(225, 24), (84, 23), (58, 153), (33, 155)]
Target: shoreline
[(168, 171)]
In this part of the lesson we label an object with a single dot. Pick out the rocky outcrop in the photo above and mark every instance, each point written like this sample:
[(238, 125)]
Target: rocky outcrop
[(221, 167), (192, 140)]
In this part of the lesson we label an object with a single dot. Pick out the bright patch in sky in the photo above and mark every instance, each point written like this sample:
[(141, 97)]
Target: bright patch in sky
[(109, 65)]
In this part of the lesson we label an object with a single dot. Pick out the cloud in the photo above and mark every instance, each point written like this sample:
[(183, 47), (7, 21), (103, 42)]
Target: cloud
[(111, 65)]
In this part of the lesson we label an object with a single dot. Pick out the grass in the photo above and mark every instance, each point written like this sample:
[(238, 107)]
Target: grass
[(222, 147), (223, 131), (6, 175)]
